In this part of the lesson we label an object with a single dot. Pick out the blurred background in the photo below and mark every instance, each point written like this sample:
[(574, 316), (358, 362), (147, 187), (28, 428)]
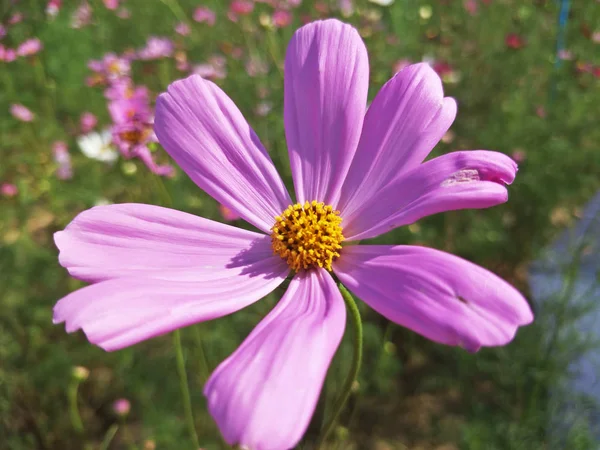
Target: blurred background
[(526, 76)]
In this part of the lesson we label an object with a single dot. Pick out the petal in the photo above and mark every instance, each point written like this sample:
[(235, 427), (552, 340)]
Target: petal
[(127, 240), (206, 134), (459, 180), (326, 84), (263, 396), (406, 120), (438, 295), (124, 311)]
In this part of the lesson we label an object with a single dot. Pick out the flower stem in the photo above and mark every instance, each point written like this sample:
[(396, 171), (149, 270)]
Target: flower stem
[(73, 408), (109, 436), (354, 368), (185, 391)]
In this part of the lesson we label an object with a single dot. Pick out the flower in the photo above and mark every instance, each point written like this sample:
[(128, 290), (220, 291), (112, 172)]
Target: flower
[(110, 68), (87, 122), (29, 47), (21, 112), (98, 146), (82, 16), (206, 15), (60, 151), (357, 174), (182, 28), (111, 4), (121, 407), (7, 54), (8, 190), (514, 41), (156, 48), (53, 7)]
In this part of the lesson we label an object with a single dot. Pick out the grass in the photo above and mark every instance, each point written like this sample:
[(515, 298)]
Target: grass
[(411, 393)]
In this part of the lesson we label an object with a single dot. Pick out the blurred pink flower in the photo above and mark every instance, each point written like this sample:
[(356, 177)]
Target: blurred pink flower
[(565, 54), (471, 6), (519, 156), (241, 7), (540, 111), (110, 68), (282, 18), (263, 108), (111, 4), (16, 18), (213, 69), (121, 407), (514, 41), (29, 47), (346, 7), (7, 54), (256, 66), (82, 16), (228, 214), (2, 31), (60, 151), (206, 15), (182, 28), (156, 48), (21, 112), (9, 190), (123, 13), (87, 122), (53, 7), (401, 64), (596, 37), (128, 103)]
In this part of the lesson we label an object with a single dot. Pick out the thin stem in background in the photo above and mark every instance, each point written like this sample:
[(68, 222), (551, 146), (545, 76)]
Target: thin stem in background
[(185, 391)]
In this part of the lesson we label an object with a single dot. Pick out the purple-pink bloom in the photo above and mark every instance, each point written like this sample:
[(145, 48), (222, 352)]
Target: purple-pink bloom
[(121, 407), (53, 7), (182, 28), (7, 54), (60, 151), (87, 122), (111, 4), (111, 67), (82, 16), (9, 190), (156, 48), (206, 15), (21, 112), (29, 47), (358, 173)]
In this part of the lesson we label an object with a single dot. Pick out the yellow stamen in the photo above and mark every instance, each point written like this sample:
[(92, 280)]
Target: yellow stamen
[(308, 235)]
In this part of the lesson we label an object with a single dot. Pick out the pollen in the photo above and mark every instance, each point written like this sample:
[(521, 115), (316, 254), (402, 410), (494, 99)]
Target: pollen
[(308, 235)]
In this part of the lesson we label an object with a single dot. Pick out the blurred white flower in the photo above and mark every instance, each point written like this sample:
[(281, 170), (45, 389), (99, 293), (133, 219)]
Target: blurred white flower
[(382, 2), (98, 146)]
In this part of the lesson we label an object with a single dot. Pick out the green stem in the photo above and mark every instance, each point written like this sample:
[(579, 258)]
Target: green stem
[(354, 368), (176, 10), (185, 391), (73, 408), (204, 367), (109, 436)]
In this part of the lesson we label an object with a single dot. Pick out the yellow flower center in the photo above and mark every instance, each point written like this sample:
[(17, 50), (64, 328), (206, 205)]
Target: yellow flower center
[(308, 235)]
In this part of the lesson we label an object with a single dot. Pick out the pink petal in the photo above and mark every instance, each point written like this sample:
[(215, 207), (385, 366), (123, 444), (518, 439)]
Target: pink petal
[(459, 180), (438, 295), (203, 130), (129, 240), (263, 396), (326, 83), (124, 311), (406, 120)]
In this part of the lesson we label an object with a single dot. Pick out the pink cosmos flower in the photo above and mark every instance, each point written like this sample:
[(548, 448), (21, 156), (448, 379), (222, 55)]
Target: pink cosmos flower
[(357, 174), (182, 28), (156, 48), (9, 190), (15, 18), (514, 41), (281, 18), (21, 112), (29, 47), (121, 407), (206, 15), (2, 31), (111, 4), (53, 7), (228, 214), (87, 122), (60, 151), (7, 54), (82, 16), (471, 6), (110, 67)]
